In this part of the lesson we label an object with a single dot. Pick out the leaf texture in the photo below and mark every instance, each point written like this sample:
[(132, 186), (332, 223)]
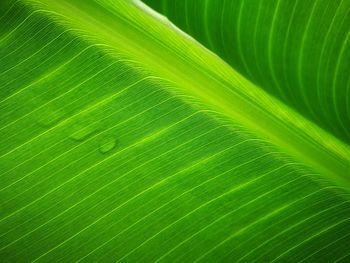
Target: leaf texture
[(124, 140), (298, 51)]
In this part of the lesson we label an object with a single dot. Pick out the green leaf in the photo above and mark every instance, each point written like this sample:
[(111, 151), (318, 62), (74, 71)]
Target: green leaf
[(298, 51), (123, 139)]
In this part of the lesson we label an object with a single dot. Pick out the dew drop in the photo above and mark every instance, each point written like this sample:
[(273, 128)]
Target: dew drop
[(80, 131), (49, 117), (107, 144)]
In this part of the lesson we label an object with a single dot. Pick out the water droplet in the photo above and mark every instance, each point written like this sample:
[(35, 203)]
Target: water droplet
[(81, 130), (107, 144), (47, 118), (48, 115)]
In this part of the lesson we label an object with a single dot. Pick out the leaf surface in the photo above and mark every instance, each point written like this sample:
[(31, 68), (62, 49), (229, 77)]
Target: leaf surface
[(122, 139), (298, 51)]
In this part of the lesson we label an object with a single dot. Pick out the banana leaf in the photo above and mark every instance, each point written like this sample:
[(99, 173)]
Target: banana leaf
[(124, 139)]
